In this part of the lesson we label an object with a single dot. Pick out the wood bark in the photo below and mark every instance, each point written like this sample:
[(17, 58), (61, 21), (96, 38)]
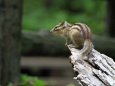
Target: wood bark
[(10, 41), (97, 70)]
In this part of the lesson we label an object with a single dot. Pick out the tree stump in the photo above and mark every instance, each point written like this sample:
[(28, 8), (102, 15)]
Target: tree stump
[(97, 70)]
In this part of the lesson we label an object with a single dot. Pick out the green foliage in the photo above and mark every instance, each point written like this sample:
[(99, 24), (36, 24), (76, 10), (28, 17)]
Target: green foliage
[(29, 81), (71, 84), (45, 14)]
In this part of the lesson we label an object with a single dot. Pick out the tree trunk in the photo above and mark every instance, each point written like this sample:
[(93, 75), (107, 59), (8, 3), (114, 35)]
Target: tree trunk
[(10, 41), (111, 18)]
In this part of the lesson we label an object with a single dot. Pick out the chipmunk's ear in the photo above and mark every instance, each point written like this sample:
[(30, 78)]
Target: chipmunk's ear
[(65, 23)]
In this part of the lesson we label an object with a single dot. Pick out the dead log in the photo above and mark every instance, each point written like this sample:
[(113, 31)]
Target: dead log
[(97, 70), (44, 43)]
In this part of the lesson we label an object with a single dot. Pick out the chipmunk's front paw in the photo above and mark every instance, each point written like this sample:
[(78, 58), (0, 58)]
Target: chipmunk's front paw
[(71, 46)]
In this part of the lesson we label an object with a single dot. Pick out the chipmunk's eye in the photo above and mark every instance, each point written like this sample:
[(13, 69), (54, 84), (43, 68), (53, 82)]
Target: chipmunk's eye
[(56, 27)]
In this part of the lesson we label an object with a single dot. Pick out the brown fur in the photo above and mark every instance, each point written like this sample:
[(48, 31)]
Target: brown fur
[(78, 34)]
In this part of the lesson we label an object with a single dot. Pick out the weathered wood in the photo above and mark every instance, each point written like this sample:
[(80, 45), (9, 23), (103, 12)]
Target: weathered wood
[(97, 70)]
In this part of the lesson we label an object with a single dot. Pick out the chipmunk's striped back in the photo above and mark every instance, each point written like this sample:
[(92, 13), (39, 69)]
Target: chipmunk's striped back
[(85, 30), (77, 35)]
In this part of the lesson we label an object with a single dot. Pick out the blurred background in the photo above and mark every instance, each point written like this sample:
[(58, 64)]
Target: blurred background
[(53, 12), (44, 57)]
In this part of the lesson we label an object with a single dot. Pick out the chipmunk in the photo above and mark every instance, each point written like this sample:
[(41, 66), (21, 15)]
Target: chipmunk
[(78, 34)]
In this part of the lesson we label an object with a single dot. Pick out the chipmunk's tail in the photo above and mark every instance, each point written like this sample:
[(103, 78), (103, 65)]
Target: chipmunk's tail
[(87, 47)]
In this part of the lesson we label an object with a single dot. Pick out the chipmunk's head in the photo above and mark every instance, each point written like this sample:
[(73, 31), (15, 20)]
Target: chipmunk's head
[(59, 29)]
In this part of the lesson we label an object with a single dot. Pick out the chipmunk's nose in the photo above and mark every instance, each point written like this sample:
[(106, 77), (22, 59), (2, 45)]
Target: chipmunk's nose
[(51, 31)]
